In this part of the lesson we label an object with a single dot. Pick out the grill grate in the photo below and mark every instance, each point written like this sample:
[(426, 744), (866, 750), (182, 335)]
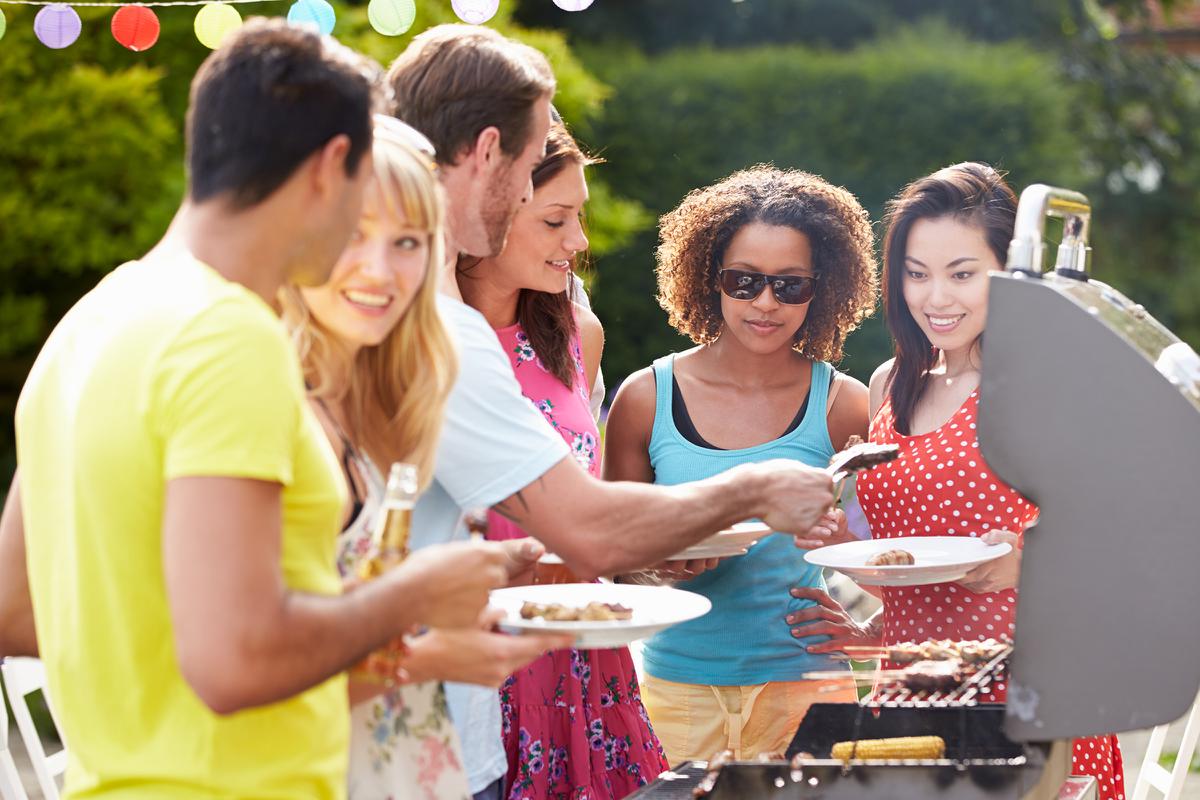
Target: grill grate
[(966, 693)]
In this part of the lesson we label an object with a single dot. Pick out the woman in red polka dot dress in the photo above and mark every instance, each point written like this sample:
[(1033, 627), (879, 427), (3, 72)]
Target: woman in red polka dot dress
[(944, 233)]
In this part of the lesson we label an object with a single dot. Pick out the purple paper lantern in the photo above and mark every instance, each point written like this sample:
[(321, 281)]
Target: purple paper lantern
[(57, 26), (475, 12)]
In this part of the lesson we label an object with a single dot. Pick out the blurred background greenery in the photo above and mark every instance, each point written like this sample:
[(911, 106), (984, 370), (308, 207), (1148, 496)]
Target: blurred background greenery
[(1099, 96)]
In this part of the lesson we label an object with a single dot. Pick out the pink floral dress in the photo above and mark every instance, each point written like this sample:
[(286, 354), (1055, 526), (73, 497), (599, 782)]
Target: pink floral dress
[(574, 724)]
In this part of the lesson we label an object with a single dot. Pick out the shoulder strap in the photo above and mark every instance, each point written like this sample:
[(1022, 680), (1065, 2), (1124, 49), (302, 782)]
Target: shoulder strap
[(818, 391), (664, 380)]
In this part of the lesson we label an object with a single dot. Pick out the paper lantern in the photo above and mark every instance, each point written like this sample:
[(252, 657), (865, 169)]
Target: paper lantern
[(391, 17), (57, 26), (316, 14), (3, 24), (214, 22), (136, 27), (573, 5), (475, 12)]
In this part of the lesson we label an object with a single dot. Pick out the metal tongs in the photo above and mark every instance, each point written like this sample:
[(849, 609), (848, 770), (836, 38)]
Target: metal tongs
[(858, 457)]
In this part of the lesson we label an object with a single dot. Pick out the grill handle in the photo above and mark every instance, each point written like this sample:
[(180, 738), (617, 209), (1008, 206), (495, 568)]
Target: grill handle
[(1038, 202)]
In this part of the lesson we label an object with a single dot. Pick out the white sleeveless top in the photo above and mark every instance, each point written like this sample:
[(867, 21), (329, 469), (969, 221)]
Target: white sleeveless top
[(402, 743)]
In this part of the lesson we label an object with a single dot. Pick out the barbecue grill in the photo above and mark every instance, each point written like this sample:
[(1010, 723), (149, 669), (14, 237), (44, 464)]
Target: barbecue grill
[(1091, 409)]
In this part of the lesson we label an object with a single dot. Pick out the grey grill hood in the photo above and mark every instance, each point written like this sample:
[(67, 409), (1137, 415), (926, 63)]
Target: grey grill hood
[(1091, 409)]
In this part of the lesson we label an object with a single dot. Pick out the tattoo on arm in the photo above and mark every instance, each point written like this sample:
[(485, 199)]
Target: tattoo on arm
[(504, 509)]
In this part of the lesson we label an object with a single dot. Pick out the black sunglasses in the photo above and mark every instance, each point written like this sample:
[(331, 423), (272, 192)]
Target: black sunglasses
[(791, 290)]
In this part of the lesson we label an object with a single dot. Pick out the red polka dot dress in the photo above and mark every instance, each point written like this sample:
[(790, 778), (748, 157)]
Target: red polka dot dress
[(940, 486)]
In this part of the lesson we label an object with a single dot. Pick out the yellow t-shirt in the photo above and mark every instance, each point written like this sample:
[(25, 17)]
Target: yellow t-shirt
[(167, 370)]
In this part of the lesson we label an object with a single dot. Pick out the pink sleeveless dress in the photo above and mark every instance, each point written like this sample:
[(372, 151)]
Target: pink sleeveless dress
[(940, 486), (574, 724)]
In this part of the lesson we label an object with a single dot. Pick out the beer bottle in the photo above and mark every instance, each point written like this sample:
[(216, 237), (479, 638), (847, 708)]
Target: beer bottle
[(389, 547)]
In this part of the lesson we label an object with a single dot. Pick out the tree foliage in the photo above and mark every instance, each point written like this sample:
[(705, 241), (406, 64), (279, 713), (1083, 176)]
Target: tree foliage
[(91, 157)]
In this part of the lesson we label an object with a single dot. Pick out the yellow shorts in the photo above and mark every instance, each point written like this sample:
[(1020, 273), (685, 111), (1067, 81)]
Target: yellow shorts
[(695, 722)]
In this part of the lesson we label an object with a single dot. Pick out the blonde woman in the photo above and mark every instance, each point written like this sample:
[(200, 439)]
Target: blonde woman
[(378, 365)]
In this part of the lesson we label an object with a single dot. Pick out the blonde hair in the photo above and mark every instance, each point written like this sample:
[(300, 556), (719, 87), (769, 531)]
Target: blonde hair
[(395, 393)]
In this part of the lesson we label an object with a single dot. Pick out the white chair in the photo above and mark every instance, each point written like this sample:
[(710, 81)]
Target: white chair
[(1154, 775), (10, 781), (23, 677)]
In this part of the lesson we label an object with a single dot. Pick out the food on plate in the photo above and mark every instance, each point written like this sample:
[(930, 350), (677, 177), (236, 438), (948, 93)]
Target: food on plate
[(592, 612), (900, 747), (891, 558)]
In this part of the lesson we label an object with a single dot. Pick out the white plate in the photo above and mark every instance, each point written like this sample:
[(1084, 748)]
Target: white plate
[(733, 541), (654, 608), (939, 559)]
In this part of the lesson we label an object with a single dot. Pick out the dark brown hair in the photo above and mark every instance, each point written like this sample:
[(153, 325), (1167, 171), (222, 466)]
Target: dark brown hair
[(270, 97), (453, 81), (548, 319), (971, 192), (693, 239)]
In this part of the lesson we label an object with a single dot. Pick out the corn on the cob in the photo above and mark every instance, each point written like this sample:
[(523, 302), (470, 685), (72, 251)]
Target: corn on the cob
[(902, 747)]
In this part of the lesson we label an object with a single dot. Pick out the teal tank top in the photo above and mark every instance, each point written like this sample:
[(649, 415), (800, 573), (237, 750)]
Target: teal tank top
[(745, 639)]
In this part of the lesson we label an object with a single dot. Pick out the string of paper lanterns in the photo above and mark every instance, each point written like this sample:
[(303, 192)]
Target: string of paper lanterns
[(135, 26)]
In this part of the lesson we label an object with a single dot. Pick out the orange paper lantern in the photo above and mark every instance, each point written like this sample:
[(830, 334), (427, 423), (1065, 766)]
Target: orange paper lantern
[(136, 27)]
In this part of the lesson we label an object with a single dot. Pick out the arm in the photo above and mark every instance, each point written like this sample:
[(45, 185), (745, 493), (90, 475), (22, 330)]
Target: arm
[(879, 381), (602, 528), (244, 638), (497, 450), (827, 617), (17, 634), (847, 416), (627, 436), (848, 411), (591, 333), (478, 656)]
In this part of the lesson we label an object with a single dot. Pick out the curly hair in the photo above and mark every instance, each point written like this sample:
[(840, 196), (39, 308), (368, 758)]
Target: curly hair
[(693, 239)]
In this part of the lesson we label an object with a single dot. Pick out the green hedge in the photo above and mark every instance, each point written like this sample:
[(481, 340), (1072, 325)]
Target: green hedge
[(870, 119)]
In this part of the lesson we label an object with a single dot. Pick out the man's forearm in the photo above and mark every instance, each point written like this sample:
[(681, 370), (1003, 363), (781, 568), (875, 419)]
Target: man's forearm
[(603, 528), (309, 639)]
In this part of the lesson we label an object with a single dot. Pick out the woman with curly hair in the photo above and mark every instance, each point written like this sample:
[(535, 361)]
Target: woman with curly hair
[(767, 271)]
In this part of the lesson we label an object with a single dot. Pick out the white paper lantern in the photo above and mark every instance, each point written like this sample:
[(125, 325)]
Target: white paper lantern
[(475, 12)]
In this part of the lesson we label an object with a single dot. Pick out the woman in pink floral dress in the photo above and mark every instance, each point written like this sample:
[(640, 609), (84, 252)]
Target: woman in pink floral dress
[(574, 724)]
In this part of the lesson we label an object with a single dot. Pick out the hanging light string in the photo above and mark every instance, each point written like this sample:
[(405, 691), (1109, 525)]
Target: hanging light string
[(117, 5)]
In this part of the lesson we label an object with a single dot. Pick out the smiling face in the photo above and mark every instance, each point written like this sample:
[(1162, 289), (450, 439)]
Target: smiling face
[(945, 280), (763, 325), (546, 235), (376, 278)]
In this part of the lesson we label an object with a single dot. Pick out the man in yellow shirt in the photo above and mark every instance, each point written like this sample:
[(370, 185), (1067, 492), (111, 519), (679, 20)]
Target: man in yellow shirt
[(167, 545)]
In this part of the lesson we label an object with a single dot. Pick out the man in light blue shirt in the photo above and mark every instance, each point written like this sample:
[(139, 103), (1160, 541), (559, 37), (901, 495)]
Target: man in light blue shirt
[(484, 101)]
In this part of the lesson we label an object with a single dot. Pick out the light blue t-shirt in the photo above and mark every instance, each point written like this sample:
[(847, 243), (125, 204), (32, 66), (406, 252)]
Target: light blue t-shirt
[(745, 640), (494, 442)]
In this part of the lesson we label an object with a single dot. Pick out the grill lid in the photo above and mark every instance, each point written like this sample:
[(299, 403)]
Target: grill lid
[(1091, 409)]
